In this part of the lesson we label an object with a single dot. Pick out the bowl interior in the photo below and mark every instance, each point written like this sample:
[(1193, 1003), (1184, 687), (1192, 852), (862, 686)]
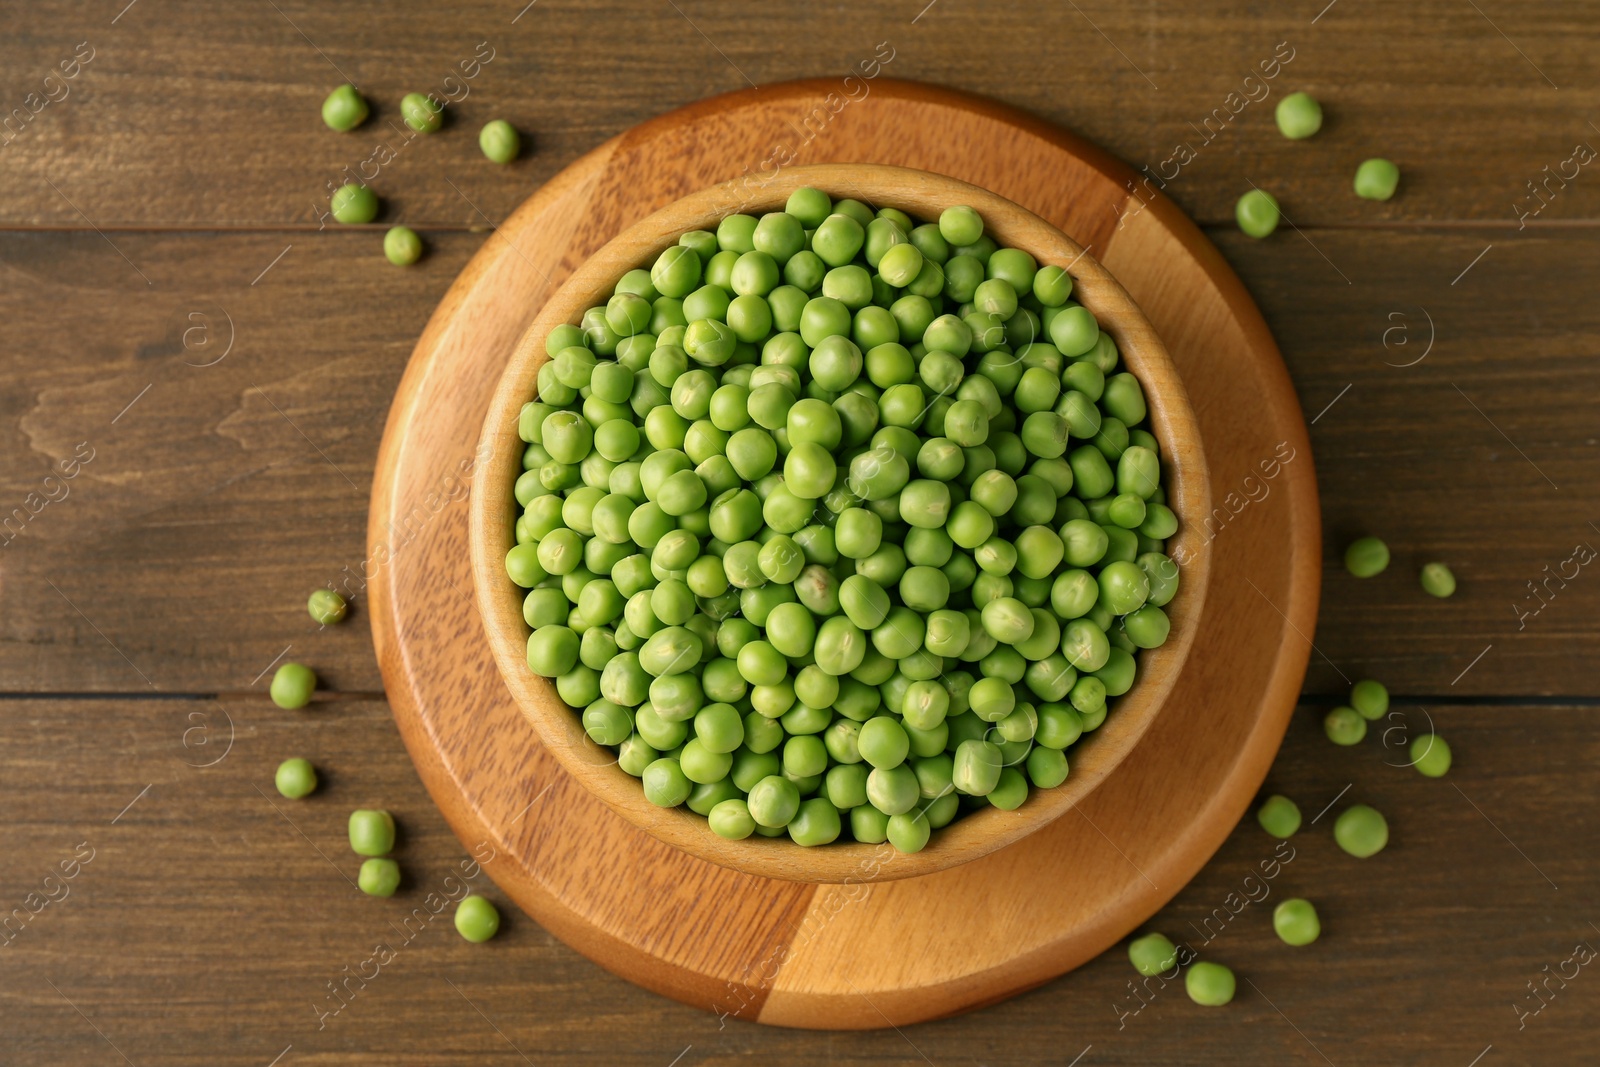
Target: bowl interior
[(922, 195)]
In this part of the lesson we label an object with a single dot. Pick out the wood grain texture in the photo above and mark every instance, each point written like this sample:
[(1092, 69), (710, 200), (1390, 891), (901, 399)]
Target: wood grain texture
[(923, 195), (1080, 895), (1142, 80), (206, 928), (194, 550)]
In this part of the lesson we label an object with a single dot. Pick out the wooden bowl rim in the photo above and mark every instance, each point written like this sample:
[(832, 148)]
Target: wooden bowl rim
[(921, 194)]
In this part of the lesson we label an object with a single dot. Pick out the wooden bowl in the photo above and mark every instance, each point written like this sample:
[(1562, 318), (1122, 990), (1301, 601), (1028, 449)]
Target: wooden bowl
[(922, 195)]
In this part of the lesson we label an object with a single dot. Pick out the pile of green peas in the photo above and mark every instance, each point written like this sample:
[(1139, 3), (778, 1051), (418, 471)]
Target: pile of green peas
[(837, 524)]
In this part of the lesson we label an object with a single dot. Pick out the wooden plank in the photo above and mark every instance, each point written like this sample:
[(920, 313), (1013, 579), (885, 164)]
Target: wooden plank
[(206, 509), (1478, 450), (202, 897), (1152, 85)]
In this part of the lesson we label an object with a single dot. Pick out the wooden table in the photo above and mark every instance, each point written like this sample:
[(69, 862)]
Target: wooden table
[(195, 377)]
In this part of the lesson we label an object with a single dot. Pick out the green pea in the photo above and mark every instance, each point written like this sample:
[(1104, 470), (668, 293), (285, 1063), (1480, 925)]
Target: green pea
[(810, 206), (327, 607), (1430, 755), (499, 141), (1437, 580), (908, 831), (665, 784), (1376, 179), (477, 919), (977, 767), (1152, 954), (1074, 331), (344, 109), (371, 832), (816, 822), (774, 801), (883, 742), (1366, 557), (353, 204), (1084, 645), (402, 246), (837, 239), (960, 225), (893, 790), (1369, 698), (1257, 213), (295, 778), (422, 113), (736, 233), (1361, 831), (731, 819), (1047, 767), (1209, 984), (379, 877), (1011, 791), (1147, 627), (1059, 726), (292, 685), (1052, 286), (1295, 922), (1298, 116), (1279, 816), (1344, 726)]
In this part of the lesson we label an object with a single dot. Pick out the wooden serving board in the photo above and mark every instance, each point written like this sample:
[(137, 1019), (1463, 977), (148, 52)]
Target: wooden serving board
[(850, 956)]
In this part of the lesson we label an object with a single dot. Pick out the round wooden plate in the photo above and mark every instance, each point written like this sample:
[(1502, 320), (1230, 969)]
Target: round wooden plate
[(854, 955)]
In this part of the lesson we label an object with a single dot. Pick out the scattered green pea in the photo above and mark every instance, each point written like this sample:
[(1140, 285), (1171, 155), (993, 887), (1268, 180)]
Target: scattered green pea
[(354, 204), (344, 109), (1430, 755), (421, 113), (1376, 179), (371, 832), (1366, 557), (295, 778), (1210, 984), (402, 246), (1369, 698), (1437, 580), (292, 685), (1299, 116), (1344, 726), (1152, 954), (1279, 816), (379, 877), (1361, 831), (1295, 921), (477, 919), (327, 606), (1257, 213), (793, 521), (499, 141)]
